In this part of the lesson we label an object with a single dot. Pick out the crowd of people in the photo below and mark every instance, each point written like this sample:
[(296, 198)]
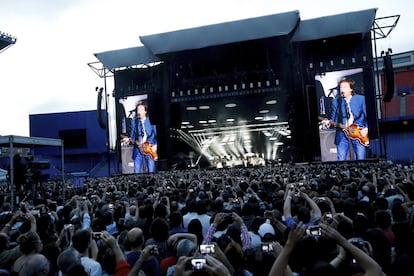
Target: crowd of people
[(341, 218)]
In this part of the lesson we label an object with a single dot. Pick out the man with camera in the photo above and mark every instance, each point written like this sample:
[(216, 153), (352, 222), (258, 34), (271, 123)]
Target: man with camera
[(83, 241), (295, 196)]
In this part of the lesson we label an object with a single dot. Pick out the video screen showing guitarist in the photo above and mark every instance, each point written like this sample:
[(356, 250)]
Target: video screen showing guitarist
[(143, 136), (349, 117)]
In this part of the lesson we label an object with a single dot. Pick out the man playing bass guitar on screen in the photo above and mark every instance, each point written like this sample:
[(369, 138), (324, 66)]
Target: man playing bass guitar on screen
[(348, 115), (144, 138)]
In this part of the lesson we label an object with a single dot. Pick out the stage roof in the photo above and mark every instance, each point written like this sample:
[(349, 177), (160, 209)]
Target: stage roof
[(359, 22), (126, 57), (223, 33), (237, 31)]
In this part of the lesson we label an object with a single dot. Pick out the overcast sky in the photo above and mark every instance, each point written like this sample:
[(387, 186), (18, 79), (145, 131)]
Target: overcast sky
[(46, 70)]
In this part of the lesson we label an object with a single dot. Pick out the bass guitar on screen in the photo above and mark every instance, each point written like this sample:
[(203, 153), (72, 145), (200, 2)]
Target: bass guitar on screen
[(146, 148), (352, 132)]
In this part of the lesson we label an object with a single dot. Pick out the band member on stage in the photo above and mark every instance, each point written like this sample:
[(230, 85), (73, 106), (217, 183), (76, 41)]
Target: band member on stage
[(144, 138), (349, 116)]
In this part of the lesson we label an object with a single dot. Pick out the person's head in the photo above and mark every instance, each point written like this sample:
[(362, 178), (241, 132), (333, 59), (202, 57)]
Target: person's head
[(346, 86), (160, 211), (383, 219), (195, 227), (381, 203), (176, 219), (159, 229), (36, 265), (267, 232), (81, 240), (303, 214), (142, 110), (30, 242), (398, 212), (185, 247), (135, 238), (68, 258)]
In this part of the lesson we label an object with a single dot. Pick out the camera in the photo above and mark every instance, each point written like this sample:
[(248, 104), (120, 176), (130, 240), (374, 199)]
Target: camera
[(267, 247), (96, 235), (207, 249), (198, 264), (313, 231)]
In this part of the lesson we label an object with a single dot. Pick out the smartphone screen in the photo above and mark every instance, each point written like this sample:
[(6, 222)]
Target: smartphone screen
[(207, 249)]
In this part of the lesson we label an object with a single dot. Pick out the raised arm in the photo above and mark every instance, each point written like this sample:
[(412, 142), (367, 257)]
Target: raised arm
[(370, 266), (280, 266)]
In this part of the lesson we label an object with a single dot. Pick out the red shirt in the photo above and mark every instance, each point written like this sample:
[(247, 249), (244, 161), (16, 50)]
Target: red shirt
[(167, 262)]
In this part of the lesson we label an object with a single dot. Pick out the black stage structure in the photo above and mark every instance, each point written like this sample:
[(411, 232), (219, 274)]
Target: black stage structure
[(6, 41), (241, 91), (11, 143)]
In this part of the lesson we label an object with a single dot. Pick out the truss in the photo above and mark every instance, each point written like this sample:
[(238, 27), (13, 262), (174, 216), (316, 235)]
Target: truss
[(383, 26)]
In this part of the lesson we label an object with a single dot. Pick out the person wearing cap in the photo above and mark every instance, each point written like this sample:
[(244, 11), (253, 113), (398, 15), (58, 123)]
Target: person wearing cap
[(184, 248), (266, 231), (172, 245)]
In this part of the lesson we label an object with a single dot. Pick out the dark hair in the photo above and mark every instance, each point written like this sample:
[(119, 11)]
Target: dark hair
[(383, 219), (176, 219), (159, 229), (80, 240), (28, 241), (303, 214), (351, 82), (195, 227), (160, 211), (144, 105)]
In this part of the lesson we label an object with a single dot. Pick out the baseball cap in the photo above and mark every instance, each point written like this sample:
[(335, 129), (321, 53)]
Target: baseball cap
[(266, 228)]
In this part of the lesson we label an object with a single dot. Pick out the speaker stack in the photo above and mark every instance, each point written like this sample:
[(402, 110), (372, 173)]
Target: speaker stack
[(389, 78)]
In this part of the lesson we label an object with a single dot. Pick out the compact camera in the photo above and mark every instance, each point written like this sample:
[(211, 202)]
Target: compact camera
[(198, 264)]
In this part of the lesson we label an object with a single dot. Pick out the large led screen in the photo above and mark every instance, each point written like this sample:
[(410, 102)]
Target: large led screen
[(138, 135), (342, 115)]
